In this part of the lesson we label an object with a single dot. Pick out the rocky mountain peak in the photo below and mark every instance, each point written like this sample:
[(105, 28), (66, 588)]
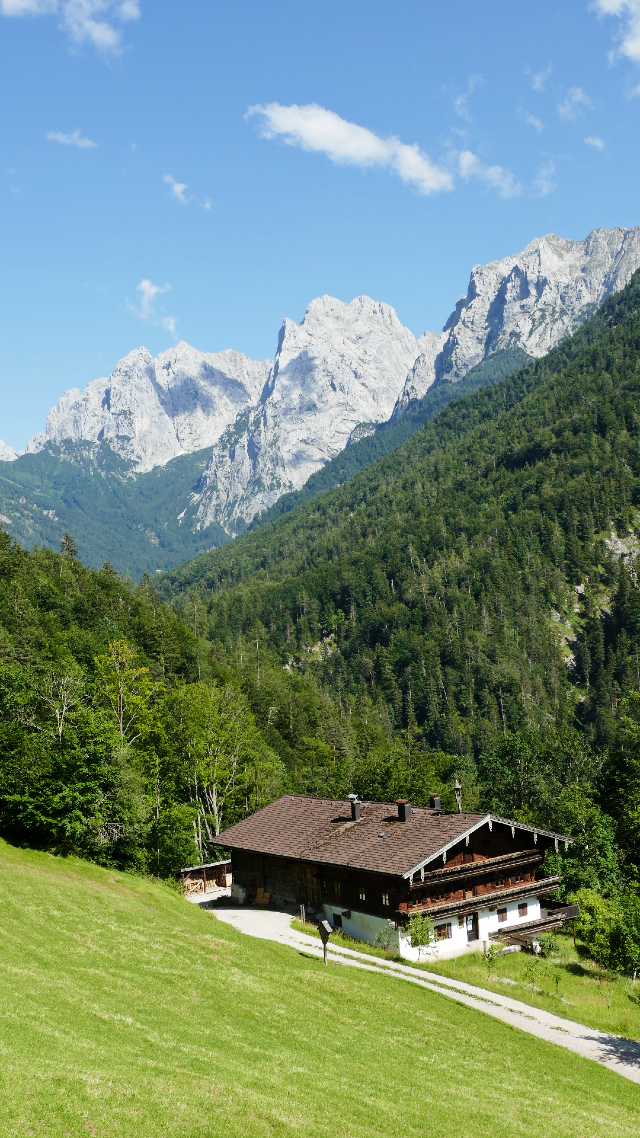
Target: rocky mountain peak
[(530, 300), (152, 410), (346, 367)]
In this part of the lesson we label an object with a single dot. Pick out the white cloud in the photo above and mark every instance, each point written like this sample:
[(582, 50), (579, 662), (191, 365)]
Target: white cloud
[(544, 182), (574, 104), (594, 141), (460, 103), (539, 80), (74, 139), (129, 10), (628, 35), (314, 128), (534, 121), (85, 21), (177, 189), (147, 310), (28, 7), (470, 166)]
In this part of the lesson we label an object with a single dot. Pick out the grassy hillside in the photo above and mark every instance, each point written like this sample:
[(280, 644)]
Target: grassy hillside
[(114, 514), (128, 1012)]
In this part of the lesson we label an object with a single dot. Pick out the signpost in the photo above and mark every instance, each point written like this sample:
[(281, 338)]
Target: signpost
[(325, 932)]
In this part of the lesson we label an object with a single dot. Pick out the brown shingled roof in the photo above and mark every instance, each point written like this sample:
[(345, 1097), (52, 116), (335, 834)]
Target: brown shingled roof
[(321, 830)]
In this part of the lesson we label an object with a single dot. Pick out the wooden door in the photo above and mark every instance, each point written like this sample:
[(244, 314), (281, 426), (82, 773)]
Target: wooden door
[(472, 926), (308, 884)]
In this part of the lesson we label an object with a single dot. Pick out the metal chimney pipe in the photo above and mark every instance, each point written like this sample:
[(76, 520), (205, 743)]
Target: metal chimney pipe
[(457, 789)]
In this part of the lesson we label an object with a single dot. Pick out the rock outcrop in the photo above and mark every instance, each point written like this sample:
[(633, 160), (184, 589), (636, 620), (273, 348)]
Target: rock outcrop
[(530, 300), (7, 453), (334, 375)]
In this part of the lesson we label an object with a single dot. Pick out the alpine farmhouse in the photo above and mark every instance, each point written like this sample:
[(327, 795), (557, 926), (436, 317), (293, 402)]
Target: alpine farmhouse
[(366, 866)]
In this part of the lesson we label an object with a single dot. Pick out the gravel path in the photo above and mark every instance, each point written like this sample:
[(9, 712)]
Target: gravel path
[(613, 1051)]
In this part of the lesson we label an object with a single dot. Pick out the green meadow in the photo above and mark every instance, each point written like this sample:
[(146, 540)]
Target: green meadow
[(568, 983), (126, 1011)]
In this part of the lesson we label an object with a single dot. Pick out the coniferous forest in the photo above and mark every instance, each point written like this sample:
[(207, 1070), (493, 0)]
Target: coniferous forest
[(468, 605)]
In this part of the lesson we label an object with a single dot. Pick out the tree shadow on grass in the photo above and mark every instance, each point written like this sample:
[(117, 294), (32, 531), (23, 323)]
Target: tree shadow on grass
[(576, 969)]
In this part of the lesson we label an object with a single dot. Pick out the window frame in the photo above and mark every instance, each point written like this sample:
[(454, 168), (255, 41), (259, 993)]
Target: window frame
[(444, 931)]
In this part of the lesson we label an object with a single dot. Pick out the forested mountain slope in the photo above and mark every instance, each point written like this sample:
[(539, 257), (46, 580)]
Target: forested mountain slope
[(388, 436), (450, 580), (139, 523)]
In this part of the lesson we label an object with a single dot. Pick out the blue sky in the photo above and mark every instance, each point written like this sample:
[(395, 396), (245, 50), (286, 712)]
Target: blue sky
[(192, 169)]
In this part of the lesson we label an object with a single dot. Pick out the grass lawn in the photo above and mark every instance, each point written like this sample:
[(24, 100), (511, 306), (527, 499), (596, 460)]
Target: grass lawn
[(568, 984), (125, 1011)]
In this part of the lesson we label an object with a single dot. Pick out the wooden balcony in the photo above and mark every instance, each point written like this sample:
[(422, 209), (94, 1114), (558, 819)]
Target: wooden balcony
[(492, 899), (478, 868)]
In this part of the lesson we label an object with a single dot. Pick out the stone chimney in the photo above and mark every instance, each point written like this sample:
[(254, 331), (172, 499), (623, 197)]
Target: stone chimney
[(404, 809)]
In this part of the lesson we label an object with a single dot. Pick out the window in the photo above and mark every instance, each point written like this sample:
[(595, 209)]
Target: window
[(337, 920), (337, 887), (460, 922), (523, 909), (443, 932), (385, 898), (362, 894), (502, 914)]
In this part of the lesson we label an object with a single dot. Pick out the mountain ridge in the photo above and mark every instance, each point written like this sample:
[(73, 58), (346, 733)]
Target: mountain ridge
[(346, 383)]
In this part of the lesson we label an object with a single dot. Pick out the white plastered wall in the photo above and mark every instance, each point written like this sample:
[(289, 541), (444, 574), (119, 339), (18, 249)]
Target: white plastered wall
[(362, 926)]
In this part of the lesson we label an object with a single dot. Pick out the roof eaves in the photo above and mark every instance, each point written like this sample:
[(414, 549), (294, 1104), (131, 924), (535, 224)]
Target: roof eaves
[(533, 829), (442, 851), (490, 819)]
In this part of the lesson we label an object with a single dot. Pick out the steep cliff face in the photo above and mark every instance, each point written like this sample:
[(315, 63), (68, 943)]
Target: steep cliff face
[(7, 453), (334, 375), (530, 300), (152, 410)]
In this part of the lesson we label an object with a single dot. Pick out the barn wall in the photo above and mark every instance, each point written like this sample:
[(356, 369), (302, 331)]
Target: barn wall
[(276, 875)]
